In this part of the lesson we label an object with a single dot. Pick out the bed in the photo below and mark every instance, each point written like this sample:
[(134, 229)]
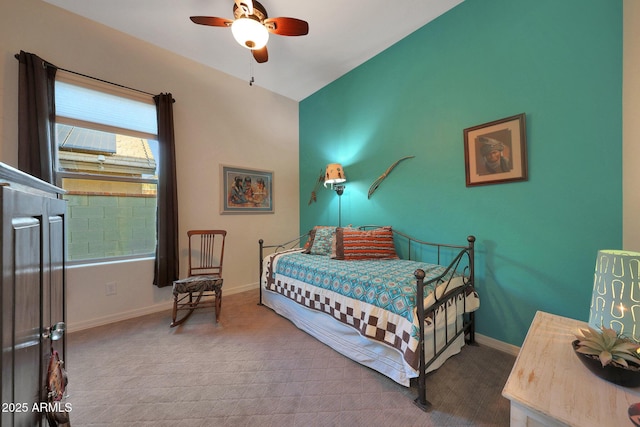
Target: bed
[(386, 300)]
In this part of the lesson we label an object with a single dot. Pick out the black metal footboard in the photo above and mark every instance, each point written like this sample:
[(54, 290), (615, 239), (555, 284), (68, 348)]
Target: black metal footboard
[(463, 262)]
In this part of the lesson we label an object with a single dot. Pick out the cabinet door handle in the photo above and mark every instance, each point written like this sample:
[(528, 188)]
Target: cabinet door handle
[(55, 332)]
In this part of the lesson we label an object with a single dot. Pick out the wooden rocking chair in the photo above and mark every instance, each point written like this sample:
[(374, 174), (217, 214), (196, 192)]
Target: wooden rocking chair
[(203, 285)]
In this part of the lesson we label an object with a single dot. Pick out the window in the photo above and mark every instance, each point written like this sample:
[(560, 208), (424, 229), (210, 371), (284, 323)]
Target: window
[(106, 160)]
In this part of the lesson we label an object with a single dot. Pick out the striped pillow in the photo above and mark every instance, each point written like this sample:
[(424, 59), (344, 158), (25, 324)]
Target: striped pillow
[(353, 244)]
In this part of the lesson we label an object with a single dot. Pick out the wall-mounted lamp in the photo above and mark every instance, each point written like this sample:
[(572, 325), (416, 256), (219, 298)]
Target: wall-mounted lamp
[(615, 302), (335, 177)]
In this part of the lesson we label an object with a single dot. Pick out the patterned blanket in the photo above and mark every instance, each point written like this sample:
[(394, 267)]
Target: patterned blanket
[(376, 297)]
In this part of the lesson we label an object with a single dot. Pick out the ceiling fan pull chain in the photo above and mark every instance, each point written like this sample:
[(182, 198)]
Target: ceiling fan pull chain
[(251, 80)]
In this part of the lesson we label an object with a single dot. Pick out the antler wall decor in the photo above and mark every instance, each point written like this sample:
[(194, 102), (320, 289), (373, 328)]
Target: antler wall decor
[(318, 182), (378, 181)]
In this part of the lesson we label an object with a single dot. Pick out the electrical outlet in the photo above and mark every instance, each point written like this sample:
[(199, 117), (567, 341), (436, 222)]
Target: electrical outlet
[(111, 288)]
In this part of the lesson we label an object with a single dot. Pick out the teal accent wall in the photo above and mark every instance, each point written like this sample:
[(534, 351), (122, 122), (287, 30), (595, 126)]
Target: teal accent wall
[(560, 62)]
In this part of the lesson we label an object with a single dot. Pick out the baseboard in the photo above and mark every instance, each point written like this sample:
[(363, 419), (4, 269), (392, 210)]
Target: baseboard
[(142, 311), (496, 344), (118, 317)]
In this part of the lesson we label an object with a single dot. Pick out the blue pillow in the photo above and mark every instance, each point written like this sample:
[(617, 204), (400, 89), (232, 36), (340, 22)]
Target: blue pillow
[(322, 241)]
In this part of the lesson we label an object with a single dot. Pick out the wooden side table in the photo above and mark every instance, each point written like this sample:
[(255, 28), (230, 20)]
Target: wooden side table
[(549, 386)]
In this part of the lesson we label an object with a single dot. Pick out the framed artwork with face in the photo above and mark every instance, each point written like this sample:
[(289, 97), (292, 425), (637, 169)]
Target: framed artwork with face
[(496, 152), (246, 190)]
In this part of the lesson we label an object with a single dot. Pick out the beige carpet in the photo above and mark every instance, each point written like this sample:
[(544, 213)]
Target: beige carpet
[(257, 368)]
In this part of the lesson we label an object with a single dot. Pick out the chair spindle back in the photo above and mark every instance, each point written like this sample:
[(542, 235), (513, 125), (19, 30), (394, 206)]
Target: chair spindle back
[(206, 252)]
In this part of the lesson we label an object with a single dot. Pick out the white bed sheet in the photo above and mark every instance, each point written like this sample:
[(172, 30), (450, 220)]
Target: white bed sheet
[(347, 341)]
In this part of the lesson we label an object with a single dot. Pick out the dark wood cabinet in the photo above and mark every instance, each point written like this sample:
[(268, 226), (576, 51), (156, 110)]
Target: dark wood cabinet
[(33, 292)]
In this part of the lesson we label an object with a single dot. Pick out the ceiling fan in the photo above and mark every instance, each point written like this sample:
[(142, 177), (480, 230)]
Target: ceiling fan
[(252, 26)]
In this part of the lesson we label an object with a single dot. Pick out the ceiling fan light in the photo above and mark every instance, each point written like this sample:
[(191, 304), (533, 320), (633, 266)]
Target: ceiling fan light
[(250, 33)]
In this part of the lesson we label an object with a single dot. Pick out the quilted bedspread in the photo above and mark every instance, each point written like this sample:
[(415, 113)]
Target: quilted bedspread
[(377, 297)]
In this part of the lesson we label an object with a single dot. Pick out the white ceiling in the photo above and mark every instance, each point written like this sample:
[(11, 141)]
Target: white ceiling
[(342, 34)]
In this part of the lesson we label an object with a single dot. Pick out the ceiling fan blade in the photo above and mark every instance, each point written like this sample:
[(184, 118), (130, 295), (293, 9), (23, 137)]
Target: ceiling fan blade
[(260, 55), (287, 26), (246, 6), (211, 21)]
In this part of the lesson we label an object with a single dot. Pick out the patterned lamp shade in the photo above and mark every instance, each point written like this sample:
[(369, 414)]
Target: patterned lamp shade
[(334, 174), (616, 292)]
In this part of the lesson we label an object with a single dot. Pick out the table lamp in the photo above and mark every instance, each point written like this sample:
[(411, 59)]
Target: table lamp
[(615, 302)]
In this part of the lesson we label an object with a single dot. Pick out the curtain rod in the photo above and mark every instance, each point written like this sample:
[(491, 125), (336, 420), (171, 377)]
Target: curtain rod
[(48, 64)]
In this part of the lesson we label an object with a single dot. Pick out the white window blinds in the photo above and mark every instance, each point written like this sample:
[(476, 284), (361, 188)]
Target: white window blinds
[(77, 104)]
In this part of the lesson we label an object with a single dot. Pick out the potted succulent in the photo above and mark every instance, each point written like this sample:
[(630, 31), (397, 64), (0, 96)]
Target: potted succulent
[(609, 355)]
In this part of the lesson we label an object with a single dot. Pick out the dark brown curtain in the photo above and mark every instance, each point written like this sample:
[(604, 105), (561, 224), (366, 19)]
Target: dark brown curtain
[(36, 116), (167, 258)]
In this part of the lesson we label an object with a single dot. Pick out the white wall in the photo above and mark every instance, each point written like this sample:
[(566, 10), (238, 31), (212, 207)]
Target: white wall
[(631, 127), (210, 115)]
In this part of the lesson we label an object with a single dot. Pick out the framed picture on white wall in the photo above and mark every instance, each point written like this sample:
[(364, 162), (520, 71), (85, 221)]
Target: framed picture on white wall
[(246, 190)]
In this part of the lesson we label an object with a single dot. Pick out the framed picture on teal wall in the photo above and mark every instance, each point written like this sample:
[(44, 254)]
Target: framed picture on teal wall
[(496, 152), (246, 190)]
